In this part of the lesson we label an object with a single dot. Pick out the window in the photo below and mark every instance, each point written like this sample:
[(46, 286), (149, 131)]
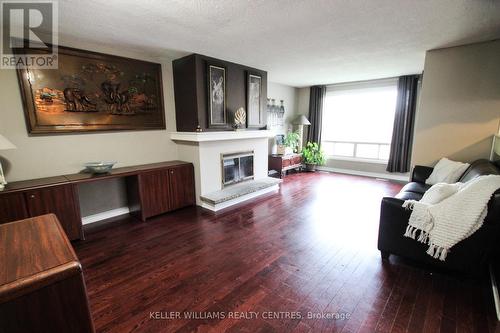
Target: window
[(358, 119)]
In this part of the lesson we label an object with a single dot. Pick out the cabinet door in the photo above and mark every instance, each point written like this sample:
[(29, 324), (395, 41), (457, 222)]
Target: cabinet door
[(61, 201), (154, 191), (12, 207), (181, 187), (275, 163)]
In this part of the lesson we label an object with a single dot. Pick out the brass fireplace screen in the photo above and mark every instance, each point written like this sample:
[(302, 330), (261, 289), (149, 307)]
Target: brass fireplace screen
[(237, 167)]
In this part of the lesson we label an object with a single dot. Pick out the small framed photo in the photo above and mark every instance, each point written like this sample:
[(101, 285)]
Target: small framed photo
[(217, 116), (254, 94)]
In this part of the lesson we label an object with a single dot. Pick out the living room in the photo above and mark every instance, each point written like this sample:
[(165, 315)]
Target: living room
[(280, 166)]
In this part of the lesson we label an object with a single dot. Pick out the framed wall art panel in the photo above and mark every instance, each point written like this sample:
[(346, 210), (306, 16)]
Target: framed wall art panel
[(92, 92), (254, 100), (217, 113)]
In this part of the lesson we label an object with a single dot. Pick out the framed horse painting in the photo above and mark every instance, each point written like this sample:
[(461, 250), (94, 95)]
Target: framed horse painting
[(217, 116), (92, 91)]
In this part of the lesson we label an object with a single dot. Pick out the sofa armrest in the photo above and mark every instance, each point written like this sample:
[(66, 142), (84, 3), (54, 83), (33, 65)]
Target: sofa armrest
[(420, 173), (392, 211), (469, 255), (393, 222), (493, 216)]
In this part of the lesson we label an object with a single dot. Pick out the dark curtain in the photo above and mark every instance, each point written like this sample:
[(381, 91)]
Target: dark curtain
[(404, 119), (316, 99)]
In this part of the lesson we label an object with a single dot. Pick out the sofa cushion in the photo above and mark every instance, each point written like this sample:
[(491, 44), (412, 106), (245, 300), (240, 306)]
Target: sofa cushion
[(446, 171), (408, 196), (415, 187)]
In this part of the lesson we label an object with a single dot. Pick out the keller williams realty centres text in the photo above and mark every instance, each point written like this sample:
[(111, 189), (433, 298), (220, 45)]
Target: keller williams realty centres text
[(245, 315)]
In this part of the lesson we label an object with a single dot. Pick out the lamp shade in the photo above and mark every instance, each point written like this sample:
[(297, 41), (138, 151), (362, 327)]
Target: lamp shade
[(5, 144), (301, 120)]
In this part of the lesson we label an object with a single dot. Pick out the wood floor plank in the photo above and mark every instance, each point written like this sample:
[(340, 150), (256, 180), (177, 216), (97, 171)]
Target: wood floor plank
[(391, 308), (433, 314), (407, 304), (308, 249)]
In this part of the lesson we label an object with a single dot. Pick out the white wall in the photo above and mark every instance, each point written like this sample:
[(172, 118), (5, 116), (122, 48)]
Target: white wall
[(290, 98), (303, 105), (460, 103), (102, 196), (303, 95), (49, 155)]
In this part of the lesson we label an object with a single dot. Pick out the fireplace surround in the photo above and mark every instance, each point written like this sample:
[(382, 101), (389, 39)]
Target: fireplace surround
[(237, 167), (205, 150)]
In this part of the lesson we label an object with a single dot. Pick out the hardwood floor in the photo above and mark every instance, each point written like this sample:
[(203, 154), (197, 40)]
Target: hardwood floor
[(311, 248)]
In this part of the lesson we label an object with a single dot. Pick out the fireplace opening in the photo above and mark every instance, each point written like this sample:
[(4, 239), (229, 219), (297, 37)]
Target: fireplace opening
[(237, 167)]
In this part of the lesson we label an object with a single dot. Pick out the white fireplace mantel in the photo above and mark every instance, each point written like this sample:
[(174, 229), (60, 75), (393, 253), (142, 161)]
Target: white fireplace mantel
[(204, 150), (220, 136)]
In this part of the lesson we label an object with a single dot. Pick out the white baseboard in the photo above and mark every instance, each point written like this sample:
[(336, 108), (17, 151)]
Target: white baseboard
[(229, 203), (105, 215), (365, 173)]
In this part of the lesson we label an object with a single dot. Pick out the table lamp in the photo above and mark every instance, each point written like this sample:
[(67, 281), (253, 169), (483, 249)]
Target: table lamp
[(300, 121), (4, 145)]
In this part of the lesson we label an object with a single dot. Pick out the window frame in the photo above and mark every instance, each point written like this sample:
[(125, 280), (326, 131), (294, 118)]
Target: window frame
[(349, 86)]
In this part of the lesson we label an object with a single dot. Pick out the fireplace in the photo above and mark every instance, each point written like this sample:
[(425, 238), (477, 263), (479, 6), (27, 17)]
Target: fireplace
[(237, 167)]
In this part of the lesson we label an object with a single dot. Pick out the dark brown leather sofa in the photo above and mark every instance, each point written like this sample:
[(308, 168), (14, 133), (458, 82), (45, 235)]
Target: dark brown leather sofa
[(470, 255)]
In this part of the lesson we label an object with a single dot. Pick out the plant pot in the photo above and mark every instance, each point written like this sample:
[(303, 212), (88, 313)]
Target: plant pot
[(310, 167)]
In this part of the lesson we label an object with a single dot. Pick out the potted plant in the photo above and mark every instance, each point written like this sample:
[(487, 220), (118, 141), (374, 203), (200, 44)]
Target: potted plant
[(312, 156), (292, 141)]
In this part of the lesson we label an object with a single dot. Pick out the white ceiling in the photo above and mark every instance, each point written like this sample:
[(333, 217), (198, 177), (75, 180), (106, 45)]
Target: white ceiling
[(298, 42)]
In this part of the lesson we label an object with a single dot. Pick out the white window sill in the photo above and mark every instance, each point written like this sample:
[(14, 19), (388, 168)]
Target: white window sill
[(356, 159)]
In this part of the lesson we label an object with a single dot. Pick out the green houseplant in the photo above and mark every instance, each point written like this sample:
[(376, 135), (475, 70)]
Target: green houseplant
[(313, 156), (292, 141)]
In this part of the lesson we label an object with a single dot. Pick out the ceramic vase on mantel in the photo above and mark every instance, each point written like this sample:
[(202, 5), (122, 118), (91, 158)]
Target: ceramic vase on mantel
[(240, 119)]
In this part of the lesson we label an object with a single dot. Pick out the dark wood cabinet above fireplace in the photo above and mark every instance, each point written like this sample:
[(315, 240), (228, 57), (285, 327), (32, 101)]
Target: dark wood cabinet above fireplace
[(191, 91)]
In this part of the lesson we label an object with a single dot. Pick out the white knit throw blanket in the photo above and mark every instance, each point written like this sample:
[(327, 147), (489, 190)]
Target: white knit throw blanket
[(449, 213)]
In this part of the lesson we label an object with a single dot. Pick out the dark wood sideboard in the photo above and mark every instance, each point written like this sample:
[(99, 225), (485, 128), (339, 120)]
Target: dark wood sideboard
[(283, 163), (41, 281), (152, 189)]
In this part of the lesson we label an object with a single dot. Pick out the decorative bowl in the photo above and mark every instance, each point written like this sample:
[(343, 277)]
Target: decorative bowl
[(99, 167)]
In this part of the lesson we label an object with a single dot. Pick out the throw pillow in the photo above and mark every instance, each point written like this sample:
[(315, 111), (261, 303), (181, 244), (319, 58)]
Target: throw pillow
[(447, 171), (439, 192)]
